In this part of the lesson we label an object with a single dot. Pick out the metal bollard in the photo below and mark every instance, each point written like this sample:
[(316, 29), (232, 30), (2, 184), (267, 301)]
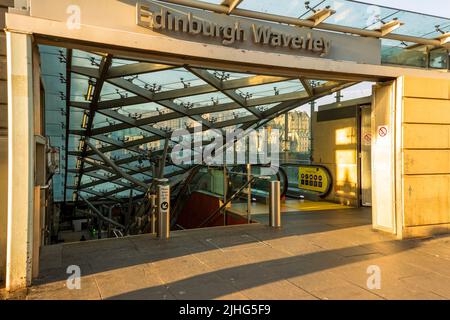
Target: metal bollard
[(153, 209), (275, 205), (164, 210)]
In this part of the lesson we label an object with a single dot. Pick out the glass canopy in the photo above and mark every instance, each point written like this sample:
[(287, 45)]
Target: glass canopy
[(366, 16), (112, 117), (99, 107)]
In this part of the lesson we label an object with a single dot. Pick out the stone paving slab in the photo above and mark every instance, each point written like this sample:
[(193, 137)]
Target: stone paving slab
[(320, 255)]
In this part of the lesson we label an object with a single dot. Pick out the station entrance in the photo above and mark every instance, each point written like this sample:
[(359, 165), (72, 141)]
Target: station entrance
[(111, 130), (128, 118)]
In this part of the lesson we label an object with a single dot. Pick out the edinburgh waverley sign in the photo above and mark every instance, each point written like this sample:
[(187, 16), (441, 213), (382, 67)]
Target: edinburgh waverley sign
[(211, 28), (230, 33)]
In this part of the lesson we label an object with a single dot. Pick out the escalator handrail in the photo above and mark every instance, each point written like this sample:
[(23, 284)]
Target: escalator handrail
[(212, 216)]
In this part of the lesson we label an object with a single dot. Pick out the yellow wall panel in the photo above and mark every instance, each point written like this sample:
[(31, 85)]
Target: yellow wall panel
[(426, 136), (426, 88), (427, 200), (334, 146), (427, 161), (426, 110)]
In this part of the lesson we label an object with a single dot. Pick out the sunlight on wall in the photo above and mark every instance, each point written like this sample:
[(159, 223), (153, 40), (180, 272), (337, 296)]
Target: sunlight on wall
[(345, 136)]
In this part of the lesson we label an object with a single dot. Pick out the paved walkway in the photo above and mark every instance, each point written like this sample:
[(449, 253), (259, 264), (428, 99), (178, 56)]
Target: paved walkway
[(320, 255), (287, 206)]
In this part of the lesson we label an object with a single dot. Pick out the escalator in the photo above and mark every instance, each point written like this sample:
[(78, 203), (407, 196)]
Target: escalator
[(307, 181), (207, 196), (201, 200)]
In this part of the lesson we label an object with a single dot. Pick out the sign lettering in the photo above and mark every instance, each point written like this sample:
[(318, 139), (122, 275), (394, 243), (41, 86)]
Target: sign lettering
[(169, 20)]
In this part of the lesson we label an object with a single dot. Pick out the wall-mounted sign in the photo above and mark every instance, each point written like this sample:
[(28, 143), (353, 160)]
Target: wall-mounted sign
[(212, 28), (367, 138), (383, 131), (314, 178)]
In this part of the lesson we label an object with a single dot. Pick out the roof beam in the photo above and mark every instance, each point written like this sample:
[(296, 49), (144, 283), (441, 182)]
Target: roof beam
[(390, 27), (217, 84), (118, 162), (320, 16), (136, 69), (444, 39), (68, 94), (142, 123), (98, 194), (302, 22), (177, 93), (119, 190), (86, 71), (94, 162), (105, 64), (149, 96), (165, 117), (126, 145), (230, 4), (308, 88), (114, 179), (100, 215), (116, 167)]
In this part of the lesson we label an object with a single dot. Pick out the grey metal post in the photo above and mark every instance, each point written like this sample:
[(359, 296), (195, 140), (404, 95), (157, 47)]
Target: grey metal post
[(225, 190), (274, 205), (249, 195), (163, 209)]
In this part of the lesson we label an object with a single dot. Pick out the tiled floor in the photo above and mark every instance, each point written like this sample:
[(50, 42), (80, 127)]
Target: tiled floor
[(319, 255)]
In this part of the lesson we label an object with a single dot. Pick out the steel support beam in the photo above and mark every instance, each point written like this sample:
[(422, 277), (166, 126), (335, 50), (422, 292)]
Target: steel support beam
[(102, 71), (100, 215), (117, 168), (68, 95)]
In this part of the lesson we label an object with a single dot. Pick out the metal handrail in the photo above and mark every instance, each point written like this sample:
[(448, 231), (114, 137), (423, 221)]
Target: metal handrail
[(227, 202)]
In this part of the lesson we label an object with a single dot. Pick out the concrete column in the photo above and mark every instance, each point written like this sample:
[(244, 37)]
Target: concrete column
[(20, 161)]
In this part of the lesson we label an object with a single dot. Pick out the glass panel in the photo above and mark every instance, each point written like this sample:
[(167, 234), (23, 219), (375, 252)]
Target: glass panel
[(143, 111), (267, 90), (227, 115), (439, 58), (351, 13), (395, 52), (167, 80), (53, 67), (203, 100), (111, 92), (85, 59)]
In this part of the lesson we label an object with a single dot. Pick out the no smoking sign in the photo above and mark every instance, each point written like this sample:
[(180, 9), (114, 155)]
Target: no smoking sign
[(383, 131)]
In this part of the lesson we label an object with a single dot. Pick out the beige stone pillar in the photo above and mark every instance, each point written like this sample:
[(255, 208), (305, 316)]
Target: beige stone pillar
[(383, 157), (3, 142), (20, 161), (423, 191)]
